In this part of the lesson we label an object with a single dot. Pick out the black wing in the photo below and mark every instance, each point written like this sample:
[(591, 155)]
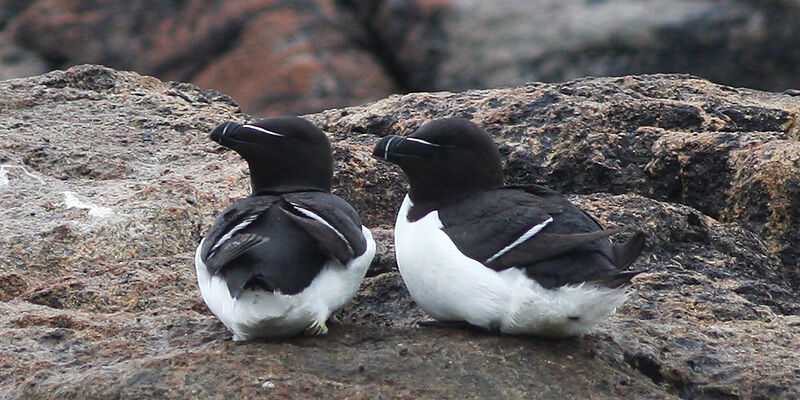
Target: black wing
[(624, 254), (483, 225), (533, 228), (576, 219), (280, 243), (225, 241), (331, 220)]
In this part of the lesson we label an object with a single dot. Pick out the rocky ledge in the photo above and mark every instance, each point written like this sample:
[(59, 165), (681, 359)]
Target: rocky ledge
[(107, 181)]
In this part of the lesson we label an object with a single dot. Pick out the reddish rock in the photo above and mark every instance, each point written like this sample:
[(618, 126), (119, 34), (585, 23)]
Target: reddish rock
[(675, 138), (273, 57), (295, 59)]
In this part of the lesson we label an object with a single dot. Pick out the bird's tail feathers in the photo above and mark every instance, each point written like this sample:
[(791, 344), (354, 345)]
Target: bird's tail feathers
[(618, 279), (626, 253)]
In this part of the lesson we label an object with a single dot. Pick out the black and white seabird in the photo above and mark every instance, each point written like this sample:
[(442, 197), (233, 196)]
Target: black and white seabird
[(279, 262), (514, 259)]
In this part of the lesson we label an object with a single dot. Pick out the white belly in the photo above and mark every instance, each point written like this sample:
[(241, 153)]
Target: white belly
[(453, 287), (257, 313)]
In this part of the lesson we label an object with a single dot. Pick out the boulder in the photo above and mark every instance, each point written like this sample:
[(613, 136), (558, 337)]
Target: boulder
[(108, 181)]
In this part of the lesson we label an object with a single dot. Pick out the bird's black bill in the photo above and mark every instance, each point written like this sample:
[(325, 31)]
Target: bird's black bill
[(395, 148), (239, 136), (222, 130)]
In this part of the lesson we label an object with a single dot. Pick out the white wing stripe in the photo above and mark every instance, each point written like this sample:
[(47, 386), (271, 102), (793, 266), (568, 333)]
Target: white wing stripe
[(525, 236), (386, 149), (315, 217), (420, 141), (262, 130), (230, 233)]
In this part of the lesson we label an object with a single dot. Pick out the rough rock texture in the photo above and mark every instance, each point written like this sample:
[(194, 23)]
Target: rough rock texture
[(733, 154), (279, 56), (107, 181)]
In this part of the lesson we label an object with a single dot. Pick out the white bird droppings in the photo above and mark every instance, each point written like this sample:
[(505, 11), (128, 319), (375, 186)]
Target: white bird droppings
[(267, 385), (71, 200), (4, 168)]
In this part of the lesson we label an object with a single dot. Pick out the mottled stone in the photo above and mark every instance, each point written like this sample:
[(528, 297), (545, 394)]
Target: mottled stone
[(108, 180), (731, 153)]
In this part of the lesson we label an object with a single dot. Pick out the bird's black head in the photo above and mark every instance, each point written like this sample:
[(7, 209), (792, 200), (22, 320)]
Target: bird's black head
[(284, 153), (444, 159)]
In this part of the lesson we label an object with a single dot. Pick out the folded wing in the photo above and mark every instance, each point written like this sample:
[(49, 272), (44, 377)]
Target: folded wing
[(280, 243), (534, 228), (331, 220)]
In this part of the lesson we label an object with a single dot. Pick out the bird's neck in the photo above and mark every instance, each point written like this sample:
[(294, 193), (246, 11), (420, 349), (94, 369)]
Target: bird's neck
[(268, 180)]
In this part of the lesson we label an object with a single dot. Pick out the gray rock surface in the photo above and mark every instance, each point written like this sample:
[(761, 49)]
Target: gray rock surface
[(107, 181)]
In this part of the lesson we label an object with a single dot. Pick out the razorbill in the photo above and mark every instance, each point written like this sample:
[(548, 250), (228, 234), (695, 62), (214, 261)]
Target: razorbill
[(514, 259), (279, 262)]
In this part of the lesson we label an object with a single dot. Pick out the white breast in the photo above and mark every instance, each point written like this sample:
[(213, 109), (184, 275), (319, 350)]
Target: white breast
[(257, 313), (453, 287)]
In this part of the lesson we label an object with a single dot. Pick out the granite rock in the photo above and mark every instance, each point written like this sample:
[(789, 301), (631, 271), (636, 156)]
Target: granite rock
[(108, 180)]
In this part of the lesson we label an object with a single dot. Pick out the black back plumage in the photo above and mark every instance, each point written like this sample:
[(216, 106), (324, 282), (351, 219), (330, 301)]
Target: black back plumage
[(268, 242), (280, 238), (454, 168), (571, 249)]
